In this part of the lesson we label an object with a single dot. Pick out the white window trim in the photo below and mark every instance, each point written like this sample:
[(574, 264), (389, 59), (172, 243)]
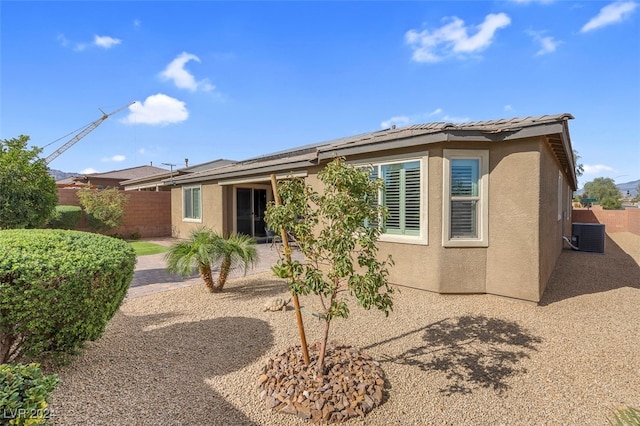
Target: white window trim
[(560, 197), (190, 219), (483, 227), (423, 158)]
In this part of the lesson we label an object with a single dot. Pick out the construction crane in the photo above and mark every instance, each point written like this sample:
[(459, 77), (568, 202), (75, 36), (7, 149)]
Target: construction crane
[(82, 133)]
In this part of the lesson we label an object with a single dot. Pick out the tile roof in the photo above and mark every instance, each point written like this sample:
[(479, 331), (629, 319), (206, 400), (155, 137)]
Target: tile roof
[(130, 173), (490, 130)]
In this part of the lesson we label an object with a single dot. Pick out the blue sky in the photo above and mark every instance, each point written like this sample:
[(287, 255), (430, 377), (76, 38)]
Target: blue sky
[(239, 79)]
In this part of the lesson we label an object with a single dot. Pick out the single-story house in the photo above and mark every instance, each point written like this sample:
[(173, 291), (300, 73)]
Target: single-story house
[(112, 178), (163, 181), (478, 207)]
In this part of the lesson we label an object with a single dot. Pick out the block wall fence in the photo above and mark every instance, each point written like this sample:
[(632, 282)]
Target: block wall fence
[(627, 220), (147, 213)]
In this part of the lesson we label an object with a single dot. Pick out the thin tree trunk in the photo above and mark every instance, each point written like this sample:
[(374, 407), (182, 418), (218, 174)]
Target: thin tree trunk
[(205, 273), (6, 342), (323, 347), (225, 267)]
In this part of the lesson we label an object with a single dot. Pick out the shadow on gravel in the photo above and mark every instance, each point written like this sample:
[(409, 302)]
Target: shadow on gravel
[(255, 287), (579, 273), (157, 276), (473, 352), (147, 370)]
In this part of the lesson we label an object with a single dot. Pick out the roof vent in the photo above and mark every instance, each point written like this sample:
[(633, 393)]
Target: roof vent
[(393, 127)]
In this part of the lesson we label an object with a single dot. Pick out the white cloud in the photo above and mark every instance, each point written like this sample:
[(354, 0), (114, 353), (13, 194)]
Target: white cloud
[(547, 43), (64, 41), (456, 120), (508, 107), (182, 78), (453, 39), (157, 109), (596, 168), (610, 14), (137, 23), (116, 158), (438, 112), (141, 151), (106, 41), (89, 171), (401, 120)]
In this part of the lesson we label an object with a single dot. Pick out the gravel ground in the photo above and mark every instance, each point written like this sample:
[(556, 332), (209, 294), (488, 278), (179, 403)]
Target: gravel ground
[(188, 357)]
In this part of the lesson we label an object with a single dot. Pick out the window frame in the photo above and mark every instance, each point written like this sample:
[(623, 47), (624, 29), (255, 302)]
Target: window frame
[(482, 199), (184, 210), (422, 158), (560, 197)]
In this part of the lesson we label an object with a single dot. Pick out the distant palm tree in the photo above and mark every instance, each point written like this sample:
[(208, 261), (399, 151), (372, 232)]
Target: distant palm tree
[(204, 248)]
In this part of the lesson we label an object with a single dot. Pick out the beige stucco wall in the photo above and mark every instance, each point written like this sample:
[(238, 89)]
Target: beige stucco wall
[(213, 214), (512, 255), (524, 234), (551, 229)]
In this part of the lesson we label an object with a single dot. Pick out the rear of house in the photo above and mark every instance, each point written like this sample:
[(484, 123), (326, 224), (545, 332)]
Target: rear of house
[(475, 208)]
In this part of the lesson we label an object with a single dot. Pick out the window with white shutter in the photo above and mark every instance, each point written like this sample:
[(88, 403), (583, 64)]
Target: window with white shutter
[(405, 197), (465, 210)]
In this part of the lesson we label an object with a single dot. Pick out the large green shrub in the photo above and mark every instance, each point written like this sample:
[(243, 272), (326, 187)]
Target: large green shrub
[(58, 289), (24, 394), (104, 207), (28, 194), (65, 217)]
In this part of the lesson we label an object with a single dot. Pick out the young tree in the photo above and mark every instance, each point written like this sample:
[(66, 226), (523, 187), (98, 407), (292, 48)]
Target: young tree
[(335, 232), (204, 248), (104, 207), (605, 191), (28, 195)]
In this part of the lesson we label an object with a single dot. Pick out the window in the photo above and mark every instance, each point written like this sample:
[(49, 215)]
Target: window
[(465, 210), (402, 197), (191, 203), (405, 198), (560, 202)]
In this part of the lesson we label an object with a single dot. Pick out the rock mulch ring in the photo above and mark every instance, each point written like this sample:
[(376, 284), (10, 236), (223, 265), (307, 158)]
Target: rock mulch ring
[(353, 384)]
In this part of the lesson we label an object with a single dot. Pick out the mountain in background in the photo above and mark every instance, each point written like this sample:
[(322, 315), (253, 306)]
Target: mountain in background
[(632, 187), (58, 174)]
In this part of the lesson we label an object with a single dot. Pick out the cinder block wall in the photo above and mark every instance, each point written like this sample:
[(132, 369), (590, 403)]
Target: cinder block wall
[(147, 213), (627, 220)]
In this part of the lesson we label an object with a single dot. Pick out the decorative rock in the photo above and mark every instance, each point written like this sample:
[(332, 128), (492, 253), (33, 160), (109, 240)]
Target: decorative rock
[(277, 304), (352, 386)]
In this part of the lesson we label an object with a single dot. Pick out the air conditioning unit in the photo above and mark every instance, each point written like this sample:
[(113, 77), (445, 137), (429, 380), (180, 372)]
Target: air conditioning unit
[(588, 237)]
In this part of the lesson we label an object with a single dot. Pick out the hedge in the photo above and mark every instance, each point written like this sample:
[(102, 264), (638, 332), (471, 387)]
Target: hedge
[(58, 289), (24, 394), (65, 217)]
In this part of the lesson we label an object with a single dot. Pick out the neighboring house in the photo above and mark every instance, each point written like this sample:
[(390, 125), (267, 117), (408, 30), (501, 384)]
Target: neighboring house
[(475, 208), (163, 181), (113, 178)]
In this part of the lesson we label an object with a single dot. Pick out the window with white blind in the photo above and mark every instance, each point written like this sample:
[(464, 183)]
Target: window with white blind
[(404, 196), (465, 210), (191, 203)]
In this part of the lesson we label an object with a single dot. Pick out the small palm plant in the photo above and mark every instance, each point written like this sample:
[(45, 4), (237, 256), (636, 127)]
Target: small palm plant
[(205, 248), (234, 251)]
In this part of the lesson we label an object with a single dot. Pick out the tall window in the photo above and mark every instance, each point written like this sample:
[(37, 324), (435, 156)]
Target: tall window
[(402, 197), (560, 200), (465, 212), (405, 198), (191, 203)]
